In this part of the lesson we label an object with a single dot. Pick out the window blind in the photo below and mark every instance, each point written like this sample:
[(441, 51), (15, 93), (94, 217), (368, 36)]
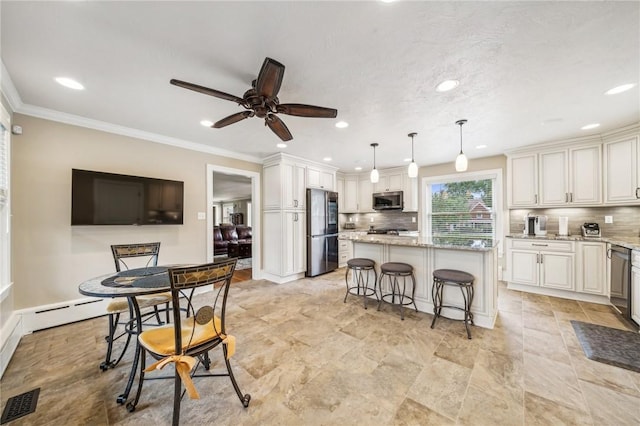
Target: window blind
[(462, 210)]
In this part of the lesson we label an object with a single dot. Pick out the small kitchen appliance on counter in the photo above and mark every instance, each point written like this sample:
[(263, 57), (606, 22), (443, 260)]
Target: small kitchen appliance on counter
[(529, 225), (591, 229), (541, 226), (349, 225), (563, 226)]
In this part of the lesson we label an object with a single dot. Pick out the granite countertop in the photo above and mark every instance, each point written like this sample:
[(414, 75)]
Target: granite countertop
[(621, 240), (419, 241)]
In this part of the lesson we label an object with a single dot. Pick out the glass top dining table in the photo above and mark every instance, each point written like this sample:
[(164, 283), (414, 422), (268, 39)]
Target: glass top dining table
[(130, 284)]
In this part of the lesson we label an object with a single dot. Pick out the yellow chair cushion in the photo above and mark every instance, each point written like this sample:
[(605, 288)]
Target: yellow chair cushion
[(161, 340), (122, 305)]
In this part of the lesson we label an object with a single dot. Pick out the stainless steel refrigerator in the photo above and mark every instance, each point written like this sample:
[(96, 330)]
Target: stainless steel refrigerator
[(322, 232)]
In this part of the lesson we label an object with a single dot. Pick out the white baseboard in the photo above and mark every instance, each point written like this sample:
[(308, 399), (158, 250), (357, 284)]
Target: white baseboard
[(279, 279), (46, 316), (11, 335), (563, 294)]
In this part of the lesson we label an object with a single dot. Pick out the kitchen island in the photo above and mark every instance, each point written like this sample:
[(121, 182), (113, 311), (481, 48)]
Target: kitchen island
[(479, 258)]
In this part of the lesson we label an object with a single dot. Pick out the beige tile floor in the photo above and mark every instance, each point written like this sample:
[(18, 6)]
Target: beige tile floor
[(307, 358)]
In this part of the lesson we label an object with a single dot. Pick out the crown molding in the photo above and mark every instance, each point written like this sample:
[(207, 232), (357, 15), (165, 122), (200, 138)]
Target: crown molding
[(17, 106)]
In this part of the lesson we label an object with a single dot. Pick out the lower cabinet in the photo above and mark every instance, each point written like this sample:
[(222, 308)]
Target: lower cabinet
[(285, 237), (591, 269), (542, 263), (345, 252)]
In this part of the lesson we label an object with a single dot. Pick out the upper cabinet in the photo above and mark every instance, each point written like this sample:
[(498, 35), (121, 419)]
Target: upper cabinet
[(621, 161), (595, 171), (388, 182), (322, 179), (350, 198), (556, 178)]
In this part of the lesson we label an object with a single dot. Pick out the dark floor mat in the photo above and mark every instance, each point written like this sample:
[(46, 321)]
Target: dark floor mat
[(20, 405), (609, 345)]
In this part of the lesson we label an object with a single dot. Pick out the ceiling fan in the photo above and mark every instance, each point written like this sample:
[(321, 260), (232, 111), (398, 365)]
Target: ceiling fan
[(262, 101)]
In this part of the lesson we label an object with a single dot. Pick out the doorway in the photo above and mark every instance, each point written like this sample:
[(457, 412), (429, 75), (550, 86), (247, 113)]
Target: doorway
[(239, 206)]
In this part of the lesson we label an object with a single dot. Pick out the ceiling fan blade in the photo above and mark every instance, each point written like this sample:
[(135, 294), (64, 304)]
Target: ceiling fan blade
[(206, 91), (302, 110), (270, 78), (233, 118), (278, 127)]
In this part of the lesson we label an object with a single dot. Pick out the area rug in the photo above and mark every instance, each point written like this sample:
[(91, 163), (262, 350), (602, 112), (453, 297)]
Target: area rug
[(609, 345), (240, 265)]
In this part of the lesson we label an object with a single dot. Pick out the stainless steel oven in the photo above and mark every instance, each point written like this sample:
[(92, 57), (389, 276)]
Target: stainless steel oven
[(620, 276)]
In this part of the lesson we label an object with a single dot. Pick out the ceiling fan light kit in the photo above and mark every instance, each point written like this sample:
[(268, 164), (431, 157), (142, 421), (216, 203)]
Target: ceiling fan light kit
[(461, 160), (375, 176), (262, 101), (413, 167)]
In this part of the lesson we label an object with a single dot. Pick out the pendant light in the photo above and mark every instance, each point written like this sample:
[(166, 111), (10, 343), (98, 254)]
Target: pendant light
[(461, 159), (413, 167), (374, 173)]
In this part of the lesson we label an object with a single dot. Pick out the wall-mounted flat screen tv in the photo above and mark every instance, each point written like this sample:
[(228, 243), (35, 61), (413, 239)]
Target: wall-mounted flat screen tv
[(99, 198)]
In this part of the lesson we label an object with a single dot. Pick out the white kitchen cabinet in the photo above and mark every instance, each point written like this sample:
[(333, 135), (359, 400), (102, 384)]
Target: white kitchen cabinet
[(622, 179), (410, 193), (340, 191), (635, 286), (345, 252), (284, 186), (365, 191), (522, 180), (591, 268), (389, 181), (285, 253), (321, 179), (541, 263), (350, 199), (585, 175), (553, 178)]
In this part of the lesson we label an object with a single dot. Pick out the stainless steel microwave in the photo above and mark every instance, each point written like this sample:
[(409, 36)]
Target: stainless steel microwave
[(388, 200)]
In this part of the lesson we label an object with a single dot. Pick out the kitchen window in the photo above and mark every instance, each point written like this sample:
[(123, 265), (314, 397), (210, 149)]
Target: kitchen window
[(464, 207)]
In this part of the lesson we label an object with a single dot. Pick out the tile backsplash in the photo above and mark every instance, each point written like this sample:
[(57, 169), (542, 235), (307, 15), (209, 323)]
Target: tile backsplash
[(378, 220), (626, 220)]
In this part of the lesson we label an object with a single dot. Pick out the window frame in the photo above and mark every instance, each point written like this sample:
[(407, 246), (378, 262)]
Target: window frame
[(5, 209), (498, 197)]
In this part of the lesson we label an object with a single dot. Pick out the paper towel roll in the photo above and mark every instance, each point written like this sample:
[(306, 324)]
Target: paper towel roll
[(563, 225)]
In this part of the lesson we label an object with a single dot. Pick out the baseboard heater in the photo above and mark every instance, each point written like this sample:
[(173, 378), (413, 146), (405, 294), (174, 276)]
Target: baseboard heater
[(41, 317)]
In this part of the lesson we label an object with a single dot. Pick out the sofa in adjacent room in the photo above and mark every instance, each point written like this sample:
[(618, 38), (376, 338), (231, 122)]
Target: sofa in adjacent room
[(224, 235)]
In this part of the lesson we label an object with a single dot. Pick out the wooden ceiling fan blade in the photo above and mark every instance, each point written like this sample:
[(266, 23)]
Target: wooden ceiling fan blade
[(270, 78), (233, 118), (206, 91), (278, 127), (302, 110)]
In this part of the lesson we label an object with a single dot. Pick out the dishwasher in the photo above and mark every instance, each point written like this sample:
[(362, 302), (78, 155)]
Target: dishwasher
[(620, 276)]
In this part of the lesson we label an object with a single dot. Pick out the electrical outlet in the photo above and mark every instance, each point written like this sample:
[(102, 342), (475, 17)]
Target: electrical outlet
[(202, 215), (413, 219), (371, 220), (608, 219)]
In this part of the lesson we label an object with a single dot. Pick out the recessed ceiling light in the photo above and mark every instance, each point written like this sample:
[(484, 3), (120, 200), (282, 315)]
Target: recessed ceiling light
[(69, 82), (590, 126), (327, 158), (620, 89), (206, 123), (358, 168), (387, 1), (281, 145), (342, 124), (481, 146), (447, 85)]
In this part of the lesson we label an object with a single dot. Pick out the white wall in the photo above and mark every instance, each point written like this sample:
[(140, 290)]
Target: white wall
[(50, 257)]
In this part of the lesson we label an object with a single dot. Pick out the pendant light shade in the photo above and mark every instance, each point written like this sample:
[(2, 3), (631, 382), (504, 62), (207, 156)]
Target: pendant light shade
[(461, 159), (375, 177), (413, 167)]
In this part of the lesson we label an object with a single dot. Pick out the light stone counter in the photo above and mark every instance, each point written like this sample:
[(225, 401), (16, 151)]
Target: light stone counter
[(629, 242)]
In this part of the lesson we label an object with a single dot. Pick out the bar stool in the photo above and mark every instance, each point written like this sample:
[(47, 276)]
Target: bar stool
[(452, 277), (394, 270), (358, 265)]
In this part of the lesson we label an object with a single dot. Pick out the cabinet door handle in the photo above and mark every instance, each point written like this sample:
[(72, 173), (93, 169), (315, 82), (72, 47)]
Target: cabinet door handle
[(540, 245), (537, 258), (536, 199), (541, 258), (566, 197), (638, 192), (571, 197)]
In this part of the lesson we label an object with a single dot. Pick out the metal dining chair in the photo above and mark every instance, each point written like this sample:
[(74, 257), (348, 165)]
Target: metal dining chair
[(187, 341), (121, 253)]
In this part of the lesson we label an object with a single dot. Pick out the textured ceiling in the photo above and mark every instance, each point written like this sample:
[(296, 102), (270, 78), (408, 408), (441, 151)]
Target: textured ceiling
[(529, 72)]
